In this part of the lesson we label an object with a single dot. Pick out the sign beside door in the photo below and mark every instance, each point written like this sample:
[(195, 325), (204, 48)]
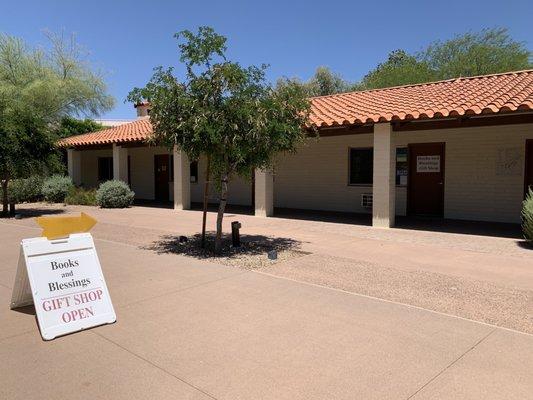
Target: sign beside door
[(428, 163)]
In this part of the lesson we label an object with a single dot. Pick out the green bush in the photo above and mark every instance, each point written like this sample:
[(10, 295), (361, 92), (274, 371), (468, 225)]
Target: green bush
[(56, 188), (26, 190), (114, 194), (82, 197), (527, 216)]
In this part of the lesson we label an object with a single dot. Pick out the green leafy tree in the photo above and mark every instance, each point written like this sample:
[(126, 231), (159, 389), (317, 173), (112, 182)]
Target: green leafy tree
[(223, 111), (326, 82), (489, 51), (70, 126), (399, 69), (38, 88)]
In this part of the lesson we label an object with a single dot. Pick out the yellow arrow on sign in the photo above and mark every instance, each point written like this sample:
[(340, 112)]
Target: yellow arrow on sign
[(57, 227)]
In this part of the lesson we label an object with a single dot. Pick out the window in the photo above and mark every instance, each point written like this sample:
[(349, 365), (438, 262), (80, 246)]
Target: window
[(361, 166), (105, 168), (401, 166), (194, 172)]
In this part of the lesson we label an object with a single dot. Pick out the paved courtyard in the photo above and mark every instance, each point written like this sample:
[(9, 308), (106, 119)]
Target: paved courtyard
[(360, 313)]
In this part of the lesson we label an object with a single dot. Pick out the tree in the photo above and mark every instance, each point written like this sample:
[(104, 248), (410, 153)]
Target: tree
[(326, 82), (489, 51), (399, 69), (38, 88), (223, 111), (70, 126)]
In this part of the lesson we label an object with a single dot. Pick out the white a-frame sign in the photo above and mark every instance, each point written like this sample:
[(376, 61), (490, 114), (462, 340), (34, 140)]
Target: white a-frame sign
[(64, 280)]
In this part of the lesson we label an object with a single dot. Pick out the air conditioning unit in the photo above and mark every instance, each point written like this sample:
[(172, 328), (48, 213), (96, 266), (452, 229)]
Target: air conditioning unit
[(366, 200)]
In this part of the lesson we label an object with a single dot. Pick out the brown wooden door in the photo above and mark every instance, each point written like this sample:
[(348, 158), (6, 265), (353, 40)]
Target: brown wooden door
[(529, 166), (162, 176), (426, 179)]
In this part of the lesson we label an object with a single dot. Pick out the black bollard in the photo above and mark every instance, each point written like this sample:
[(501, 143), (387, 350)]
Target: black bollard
[(235, 236)]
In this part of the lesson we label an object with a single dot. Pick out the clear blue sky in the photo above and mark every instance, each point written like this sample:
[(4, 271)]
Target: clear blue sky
[(127, 39)]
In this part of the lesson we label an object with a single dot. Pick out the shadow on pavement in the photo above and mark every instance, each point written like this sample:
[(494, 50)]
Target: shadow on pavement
[(250, 245), (36, 212)]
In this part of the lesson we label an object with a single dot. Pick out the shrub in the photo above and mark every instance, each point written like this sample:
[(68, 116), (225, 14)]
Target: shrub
[(82, 197), (25, 190), (56, 188), (527, 216), (114, 194)]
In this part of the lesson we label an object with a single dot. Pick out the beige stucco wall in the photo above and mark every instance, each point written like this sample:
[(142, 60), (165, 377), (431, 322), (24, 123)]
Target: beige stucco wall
[(89, 166), (142, 171), (317, 176), (240, 190)]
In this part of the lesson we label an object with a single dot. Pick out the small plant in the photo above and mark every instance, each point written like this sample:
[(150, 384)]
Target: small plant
[(527, 216), (114, 194), (56, 188), (81, 196)]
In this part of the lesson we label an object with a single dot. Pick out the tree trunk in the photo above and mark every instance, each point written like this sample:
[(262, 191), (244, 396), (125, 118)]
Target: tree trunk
[(5, 201), (221, 208), (206, 195)]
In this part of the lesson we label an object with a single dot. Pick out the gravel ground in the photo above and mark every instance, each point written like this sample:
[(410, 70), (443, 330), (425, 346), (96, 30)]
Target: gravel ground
[(255, 251), (477, 300)]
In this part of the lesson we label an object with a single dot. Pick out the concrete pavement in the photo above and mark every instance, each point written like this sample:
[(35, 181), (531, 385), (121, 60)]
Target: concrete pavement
[(197, 330)]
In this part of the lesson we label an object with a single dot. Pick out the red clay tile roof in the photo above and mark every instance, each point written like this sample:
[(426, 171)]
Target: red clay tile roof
[(487, 94), (135, 131)]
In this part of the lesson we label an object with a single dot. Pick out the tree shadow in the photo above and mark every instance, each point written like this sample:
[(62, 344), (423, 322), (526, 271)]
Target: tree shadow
[(251, 245), (25, 213)]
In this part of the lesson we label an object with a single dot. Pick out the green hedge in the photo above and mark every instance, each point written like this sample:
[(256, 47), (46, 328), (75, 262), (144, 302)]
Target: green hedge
[(81, 196), (527, 216), (114, 194), (56, 188), (26, 190)]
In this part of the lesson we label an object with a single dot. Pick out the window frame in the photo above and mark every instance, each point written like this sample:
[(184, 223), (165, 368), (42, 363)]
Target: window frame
[(350, 166)]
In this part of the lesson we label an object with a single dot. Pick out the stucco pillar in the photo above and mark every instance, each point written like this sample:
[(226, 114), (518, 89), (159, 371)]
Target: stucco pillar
[(384, 180), (182, 180), (120, 163), (74, 166), (264, 193)]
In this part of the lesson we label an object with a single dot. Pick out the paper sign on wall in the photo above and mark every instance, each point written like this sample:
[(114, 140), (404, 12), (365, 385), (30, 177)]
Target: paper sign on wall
[(428, 163), (63, 279)]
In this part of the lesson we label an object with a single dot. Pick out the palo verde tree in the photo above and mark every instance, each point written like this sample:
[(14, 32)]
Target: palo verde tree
[(223, 111), (38, 89)]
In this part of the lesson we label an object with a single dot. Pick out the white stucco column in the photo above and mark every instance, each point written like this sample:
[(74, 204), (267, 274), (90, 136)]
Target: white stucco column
[(384, 182), (264, 193), (74, 166), (182, 180), (120, 163)]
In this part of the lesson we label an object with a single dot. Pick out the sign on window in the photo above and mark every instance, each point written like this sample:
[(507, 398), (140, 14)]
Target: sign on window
[(428, 163)]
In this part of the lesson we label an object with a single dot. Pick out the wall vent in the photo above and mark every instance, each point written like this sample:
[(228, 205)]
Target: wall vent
[(366, 200)]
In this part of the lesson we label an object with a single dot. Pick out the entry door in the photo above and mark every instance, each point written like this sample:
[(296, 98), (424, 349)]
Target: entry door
[(426, 179), (529, 165), (162, 175)]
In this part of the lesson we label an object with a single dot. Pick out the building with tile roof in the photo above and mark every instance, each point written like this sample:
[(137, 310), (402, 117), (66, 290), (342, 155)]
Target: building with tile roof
[(459, 149)]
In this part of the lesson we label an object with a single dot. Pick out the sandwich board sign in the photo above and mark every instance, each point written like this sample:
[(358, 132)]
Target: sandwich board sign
[(63, 279)]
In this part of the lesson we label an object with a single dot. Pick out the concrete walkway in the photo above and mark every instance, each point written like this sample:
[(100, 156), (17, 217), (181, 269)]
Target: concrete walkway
[(189, 329)]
